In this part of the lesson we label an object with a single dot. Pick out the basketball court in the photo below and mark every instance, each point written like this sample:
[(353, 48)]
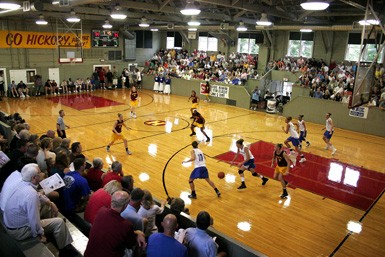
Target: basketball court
[(325, 193)]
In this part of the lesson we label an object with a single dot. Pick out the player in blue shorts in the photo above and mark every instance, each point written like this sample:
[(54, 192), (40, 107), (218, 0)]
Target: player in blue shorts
[(294, 139), (247, 164), (302, 131), (329, 133), (200, 170)]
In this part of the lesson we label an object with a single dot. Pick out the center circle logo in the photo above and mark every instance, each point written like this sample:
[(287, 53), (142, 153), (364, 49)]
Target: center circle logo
[(155, 123)]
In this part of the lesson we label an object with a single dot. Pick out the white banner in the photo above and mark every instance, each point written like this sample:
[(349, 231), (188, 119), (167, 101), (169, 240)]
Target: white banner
[(359, 112), (219, 91)]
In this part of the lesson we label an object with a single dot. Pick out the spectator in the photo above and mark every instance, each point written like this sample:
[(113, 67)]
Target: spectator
[(76, 192), (318, 93), (64, 146), (148, 210), (111, 234), (116, 173), (198, 242), (131, 211), (164, 244), (76, 151), (24, 204), (95, 174), (100, 198), (127, 183)]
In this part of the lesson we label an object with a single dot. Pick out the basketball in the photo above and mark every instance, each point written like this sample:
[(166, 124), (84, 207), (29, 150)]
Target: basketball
[(221, 174)]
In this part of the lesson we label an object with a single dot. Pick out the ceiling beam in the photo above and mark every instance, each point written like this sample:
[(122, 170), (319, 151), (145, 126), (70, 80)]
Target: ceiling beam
[(239, 14), (354, 4), (163, 4), (258, 8)]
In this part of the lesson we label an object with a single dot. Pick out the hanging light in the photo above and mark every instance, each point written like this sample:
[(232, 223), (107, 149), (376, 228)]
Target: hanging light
[(154, 29), (190, 9), (306, 30), (9, 5), (192, 29), (118, 13), (107, 25), (73, 17), (264, 21), (54, 2), (41, 20), (144, 23), (193, 22), (241, 27), (311, 5), (370, 20)]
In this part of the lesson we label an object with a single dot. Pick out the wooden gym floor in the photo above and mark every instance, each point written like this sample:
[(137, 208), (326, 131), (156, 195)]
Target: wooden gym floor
[(305, 224)]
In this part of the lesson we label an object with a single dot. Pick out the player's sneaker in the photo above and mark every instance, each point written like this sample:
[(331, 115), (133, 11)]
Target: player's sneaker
[(128, 152), (107, 148), (326, 147), (302, 160), (284, 194), (192, 134), (264, 181), (193, 196), (307, 143), (334, 151), (218, 193), (300, 147), (208, 139), (242, 186)]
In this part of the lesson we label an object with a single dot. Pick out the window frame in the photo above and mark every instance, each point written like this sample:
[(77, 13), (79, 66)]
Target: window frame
[(301, 45)]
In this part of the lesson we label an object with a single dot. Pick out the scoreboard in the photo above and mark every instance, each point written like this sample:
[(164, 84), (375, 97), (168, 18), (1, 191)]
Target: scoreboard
[(105, 38)]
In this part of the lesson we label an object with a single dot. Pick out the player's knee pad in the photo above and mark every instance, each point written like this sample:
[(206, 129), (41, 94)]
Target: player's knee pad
[(240, 172)]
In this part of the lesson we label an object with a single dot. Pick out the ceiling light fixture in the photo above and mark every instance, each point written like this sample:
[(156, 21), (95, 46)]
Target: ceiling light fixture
[(144, 23), (193, 23), (241, 27), (314, 5), (190, 9), (73, 17), (264, 21), (192, 29), (118, 13), (55, 2), (154, 29), (306, 30), (107, 25), (370, 20), (9, 6), (41, 20)]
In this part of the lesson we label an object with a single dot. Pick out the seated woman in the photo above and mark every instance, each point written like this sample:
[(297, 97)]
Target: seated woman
[(95, 174)]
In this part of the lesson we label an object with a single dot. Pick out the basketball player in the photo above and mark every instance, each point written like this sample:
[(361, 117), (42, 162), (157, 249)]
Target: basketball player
[(282, 168), (294, 139), (246, 164), (302, 131), (117, 133), (133, 101), (199, 122), (206, 91), (200, 170), (195, 103), (61, 126), (329, 133)]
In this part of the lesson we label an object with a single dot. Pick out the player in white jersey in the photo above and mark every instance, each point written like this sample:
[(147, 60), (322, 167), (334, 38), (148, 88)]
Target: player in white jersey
[(329, 133), (200, 170), (302, 131), (294, 139), (246, 164)]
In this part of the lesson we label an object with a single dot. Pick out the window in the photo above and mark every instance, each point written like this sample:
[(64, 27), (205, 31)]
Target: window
[(143, 39), (174, 40), (248, 43), (207, 42), (300, 44), (353, 48)]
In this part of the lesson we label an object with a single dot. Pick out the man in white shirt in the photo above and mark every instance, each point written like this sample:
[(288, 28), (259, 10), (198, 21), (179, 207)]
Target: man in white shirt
[(22, 212)]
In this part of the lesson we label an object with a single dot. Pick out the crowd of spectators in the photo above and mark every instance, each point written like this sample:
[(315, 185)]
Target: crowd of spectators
[(122, 217), (233, 69)]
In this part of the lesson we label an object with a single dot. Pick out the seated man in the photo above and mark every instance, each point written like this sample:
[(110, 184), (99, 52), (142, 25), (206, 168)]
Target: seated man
[(131, 211), (76, 192), (24, 204), (95, 174), (116, 173), (164, 244), (198, 242), (22, 89), (111, 234)]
